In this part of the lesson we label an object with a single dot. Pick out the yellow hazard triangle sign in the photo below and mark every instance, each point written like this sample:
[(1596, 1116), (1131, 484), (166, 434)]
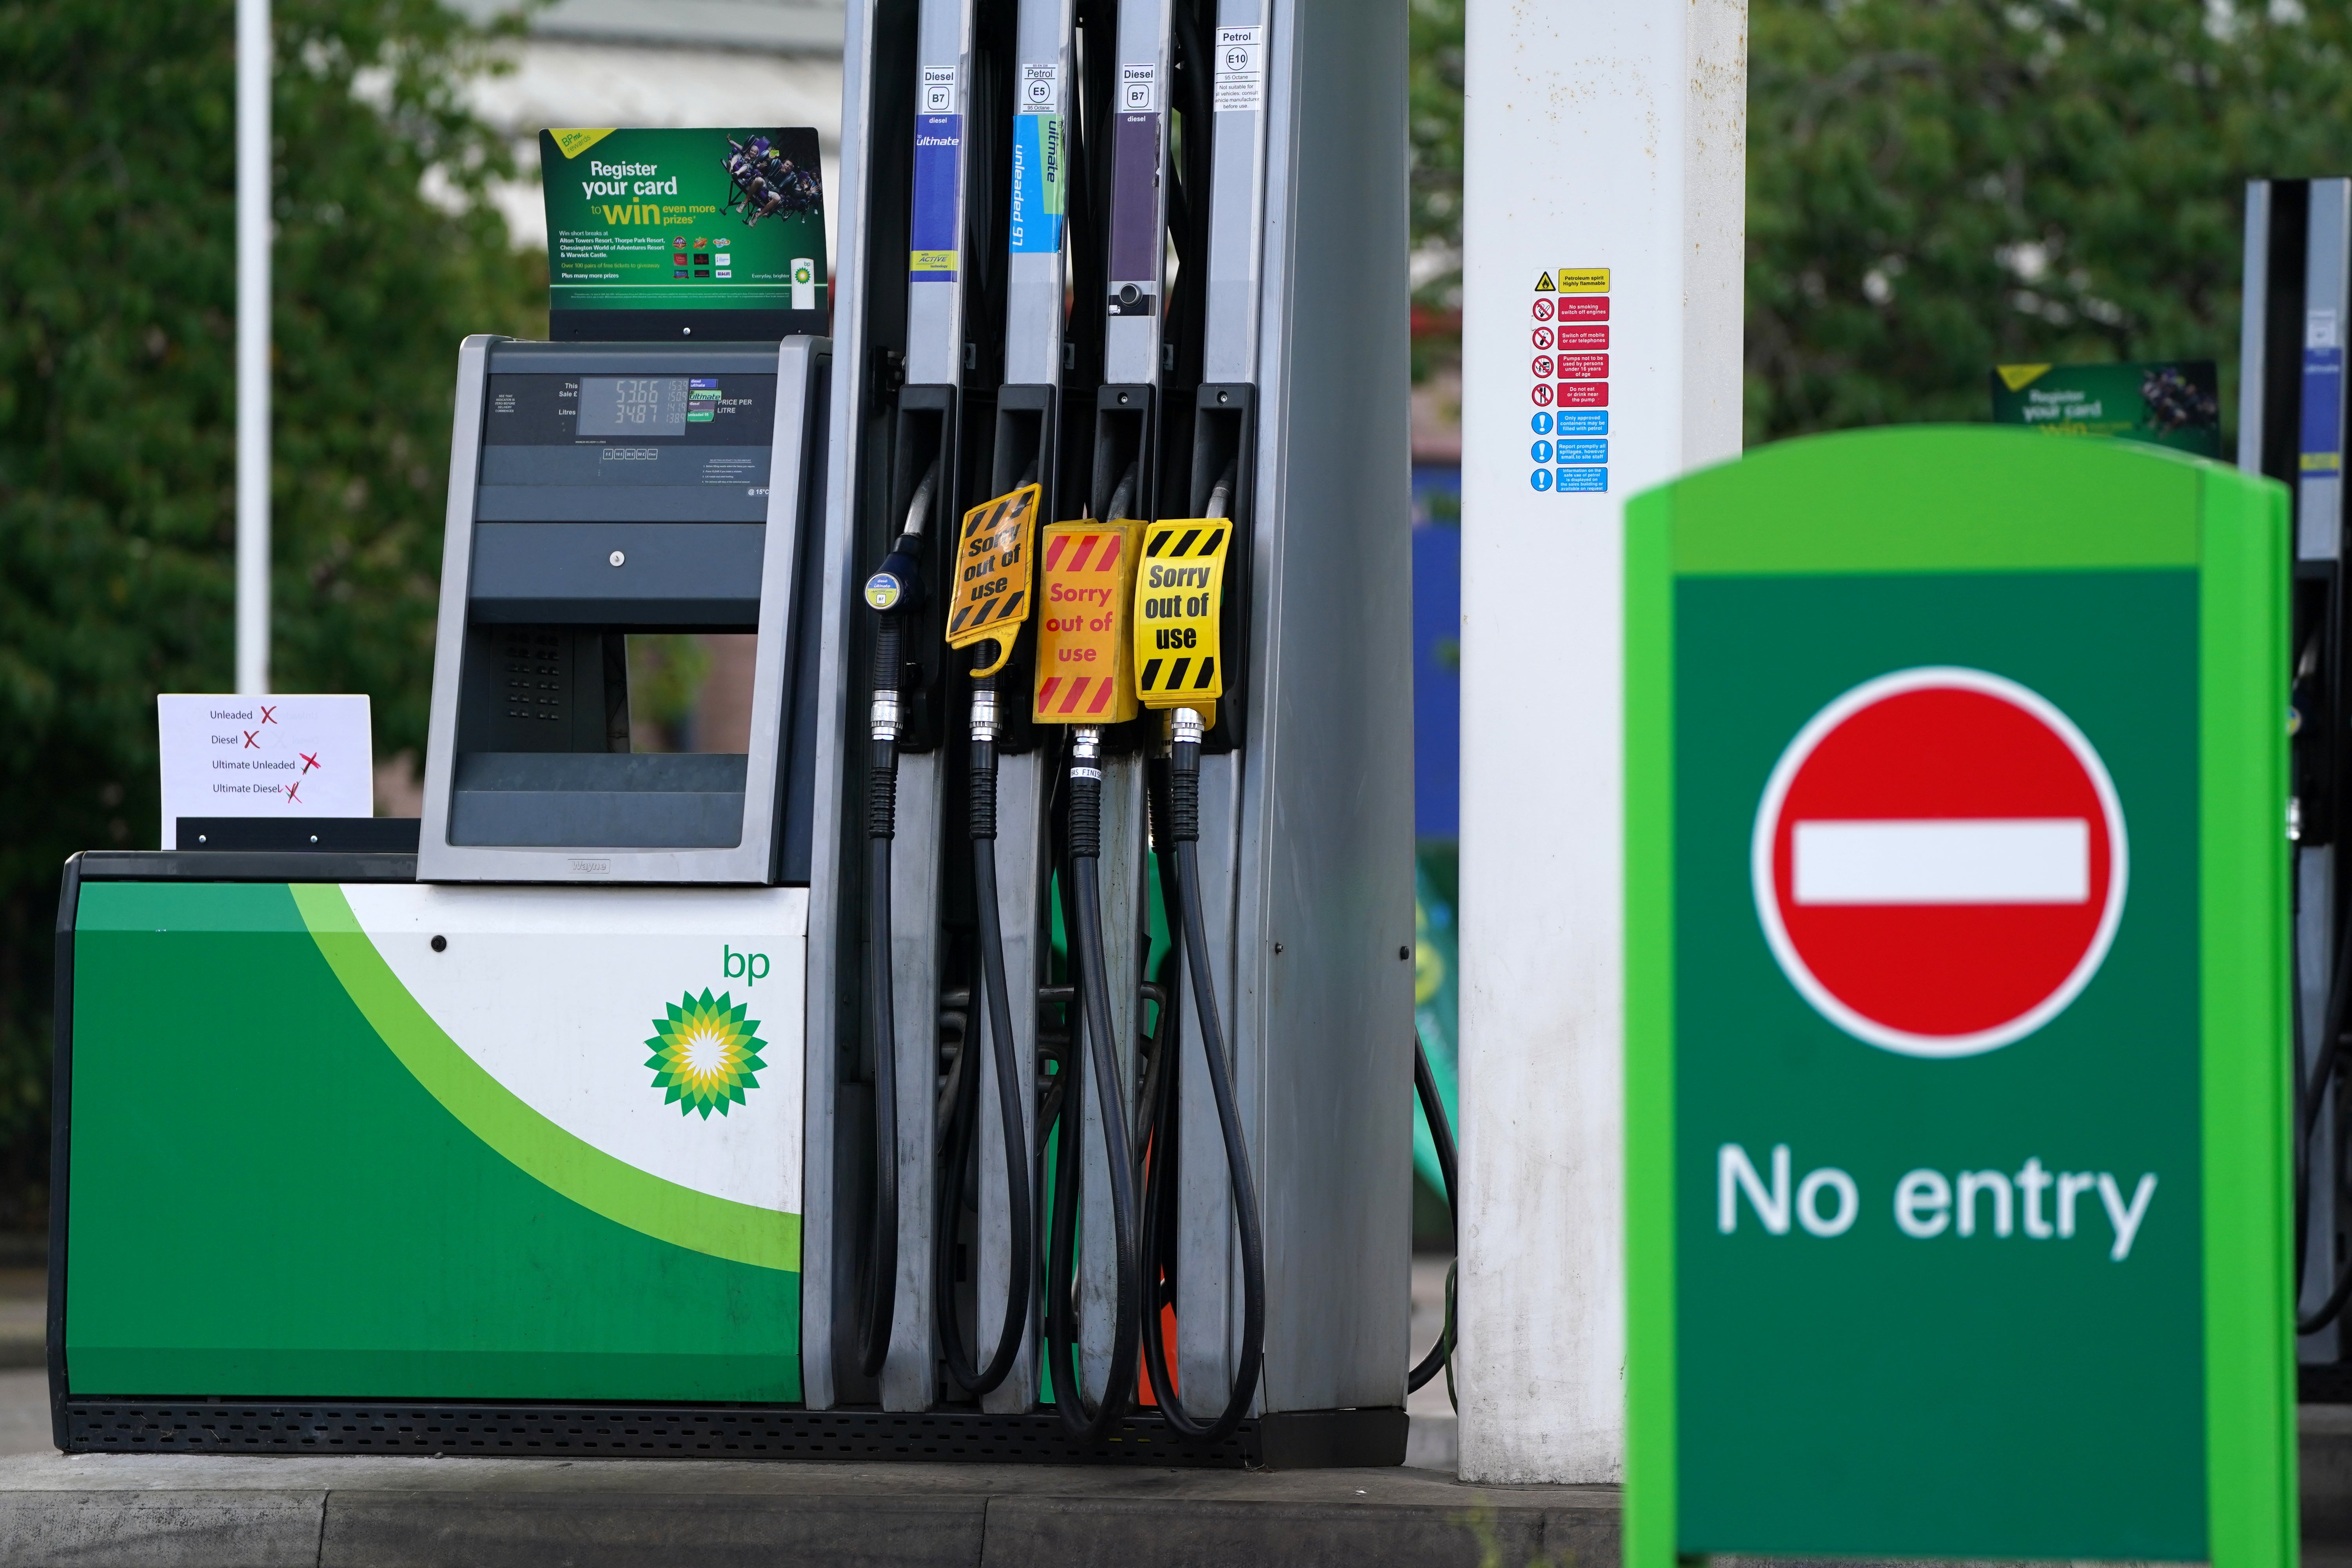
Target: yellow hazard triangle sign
[(1543, 283)]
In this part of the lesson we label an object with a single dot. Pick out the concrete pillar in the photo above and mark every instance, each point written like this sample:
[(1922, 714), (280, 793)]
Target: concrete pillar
[(1608, 141)]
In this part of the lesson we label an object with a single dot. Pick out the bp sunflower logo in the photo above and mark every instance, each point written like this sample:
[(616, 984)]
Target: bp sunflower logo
[(705, 1053)]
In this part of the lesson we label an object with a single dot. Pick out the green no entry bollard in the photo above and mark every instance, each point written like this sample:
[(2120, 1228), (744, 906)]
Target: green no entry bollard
[(1957, 1005)]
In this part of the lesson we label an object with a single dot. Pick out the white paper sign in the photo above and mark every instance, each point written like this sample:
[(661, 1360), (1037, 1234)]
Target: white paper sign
[(264, 756)]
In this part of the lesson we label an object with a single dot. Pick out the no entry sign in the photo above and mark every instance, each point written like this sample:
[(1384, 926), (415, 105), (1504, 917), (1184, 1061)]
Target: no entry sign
[(1956, 1024), (1939, 861)]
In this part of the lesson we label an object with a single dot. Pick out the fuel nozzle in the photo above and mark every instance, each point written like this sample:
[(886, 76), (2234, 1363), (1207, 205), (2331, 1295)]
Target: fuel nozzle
[(897, 585)]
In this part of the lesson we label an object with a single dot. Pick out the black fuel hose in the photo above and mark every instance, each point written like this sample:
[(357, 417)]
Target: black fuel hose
[(2311, 1104), (998, 1014), (1441, 1132), (895, 590), (1092, 1424), (1184, 831)]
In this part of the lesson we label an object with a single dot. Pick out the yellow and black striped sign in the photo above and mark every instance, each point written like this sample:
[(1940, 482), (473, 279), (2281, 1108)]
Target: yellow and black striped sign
[(991, 581), (1179, 602)]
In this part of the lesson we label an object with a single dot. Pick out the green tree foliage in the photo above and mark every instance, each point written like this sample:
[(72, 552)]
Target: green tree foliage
[(1938, 186), (1935, 186), (118, 404), (1433, 192)]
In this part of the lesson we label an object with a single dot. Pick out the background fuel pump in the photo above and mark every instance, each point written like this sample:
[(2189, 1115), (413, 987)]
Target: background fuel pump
[(2298, 296)]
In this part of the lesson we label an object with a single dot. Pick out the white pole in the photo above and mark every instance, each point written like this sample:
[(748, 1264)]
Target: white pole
[(253, 226), (1598, 134)]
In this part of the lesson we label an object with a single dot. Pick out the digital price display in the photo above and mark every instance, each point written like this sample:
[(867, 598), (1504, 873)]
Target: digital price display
[(632, 406)]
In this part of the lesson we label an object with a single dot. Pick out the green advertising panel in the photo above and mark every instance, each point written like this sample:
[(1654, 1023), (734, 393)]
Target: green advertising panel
[(1956, 1012), (2172, 403), (726, 225)]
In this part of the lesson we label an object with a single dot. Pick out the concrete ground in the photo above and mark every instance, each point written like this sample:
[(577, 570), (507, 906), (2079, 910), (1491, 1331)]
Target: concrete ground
[(228, 1511), (209, 1511), (1430, 1444)]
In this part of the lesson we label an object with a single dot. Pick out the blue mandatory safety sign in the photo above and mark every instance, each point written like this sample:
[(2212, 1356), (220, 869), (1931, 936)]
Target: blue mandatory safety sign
[(1573, 479)]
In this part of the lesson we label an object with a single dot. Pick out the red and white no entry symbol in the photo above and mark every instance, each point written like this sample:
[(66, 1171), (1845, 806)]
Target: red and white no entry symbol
[(1939, 861)]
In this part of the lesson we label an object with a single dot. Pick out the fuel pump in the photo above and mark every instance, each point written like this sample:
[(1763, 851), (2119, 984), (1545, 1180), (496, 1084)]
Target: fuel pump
[(2290, 426), (1097, 257), (1183, 277)]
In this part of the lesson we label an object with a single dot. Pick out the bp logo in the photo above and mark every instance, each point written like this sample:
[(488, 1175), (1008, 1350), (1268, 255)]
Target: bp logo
[(705, 1053)]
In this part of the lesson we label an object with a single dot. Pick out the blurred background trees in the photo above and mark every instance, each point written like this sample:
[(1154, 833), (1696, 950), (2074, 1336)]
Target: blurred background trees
[(117, 398), (1936, 186)]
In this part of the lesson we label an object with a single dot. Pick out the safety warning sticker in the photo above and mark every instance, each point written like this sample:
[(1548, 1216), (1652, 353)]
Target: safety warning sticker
[(1082, 649), (991, 585), (1178, 598), (1570, 371)]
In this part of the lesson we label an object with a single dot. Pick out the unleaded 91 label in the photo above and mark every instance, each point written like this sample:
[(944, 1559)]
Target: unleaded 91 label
[(1179, 602)]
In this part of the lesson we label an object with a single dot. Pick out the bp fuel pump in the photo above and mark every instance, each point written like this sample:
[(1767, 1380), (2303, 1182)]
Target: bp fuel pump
[(1003, 1054), (2291, 426), (1129, 271)]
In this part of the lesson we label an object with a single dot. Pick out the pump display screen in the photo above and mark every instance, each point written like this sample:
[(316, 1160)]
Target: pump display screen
[(633, 405)]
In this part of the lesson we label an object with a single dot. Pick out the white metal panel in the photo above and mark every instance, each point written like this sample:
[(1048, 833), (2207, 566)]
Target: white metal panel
[(1596, 135)]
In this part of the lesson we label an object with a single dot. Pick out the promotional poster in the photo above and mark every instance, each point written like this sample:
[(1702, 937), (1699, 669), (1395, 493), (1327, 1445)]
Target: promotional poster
[(660, 235), (2171, 403)]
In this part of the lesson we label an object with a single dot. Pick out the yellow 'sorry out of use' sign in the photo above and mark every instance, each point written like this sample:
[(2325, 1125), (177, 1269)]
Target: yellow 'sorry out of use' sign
[(989, 598), (1179, 611)]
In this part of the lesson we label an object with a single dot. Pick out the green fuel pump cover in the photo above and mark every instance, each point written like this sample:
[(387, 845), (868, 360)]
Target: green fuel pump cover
[(1957, 1013)]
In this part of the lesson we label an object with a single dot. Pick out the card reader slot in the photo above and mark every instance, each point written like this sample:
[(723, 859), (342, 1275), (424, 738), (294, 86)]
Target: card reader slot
[(670, 575), (610, 800)]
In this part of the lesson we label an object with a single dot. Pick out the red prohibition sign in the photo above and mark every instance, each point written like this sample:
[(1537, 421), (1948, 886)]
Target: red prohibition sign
[(1939, 861)]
